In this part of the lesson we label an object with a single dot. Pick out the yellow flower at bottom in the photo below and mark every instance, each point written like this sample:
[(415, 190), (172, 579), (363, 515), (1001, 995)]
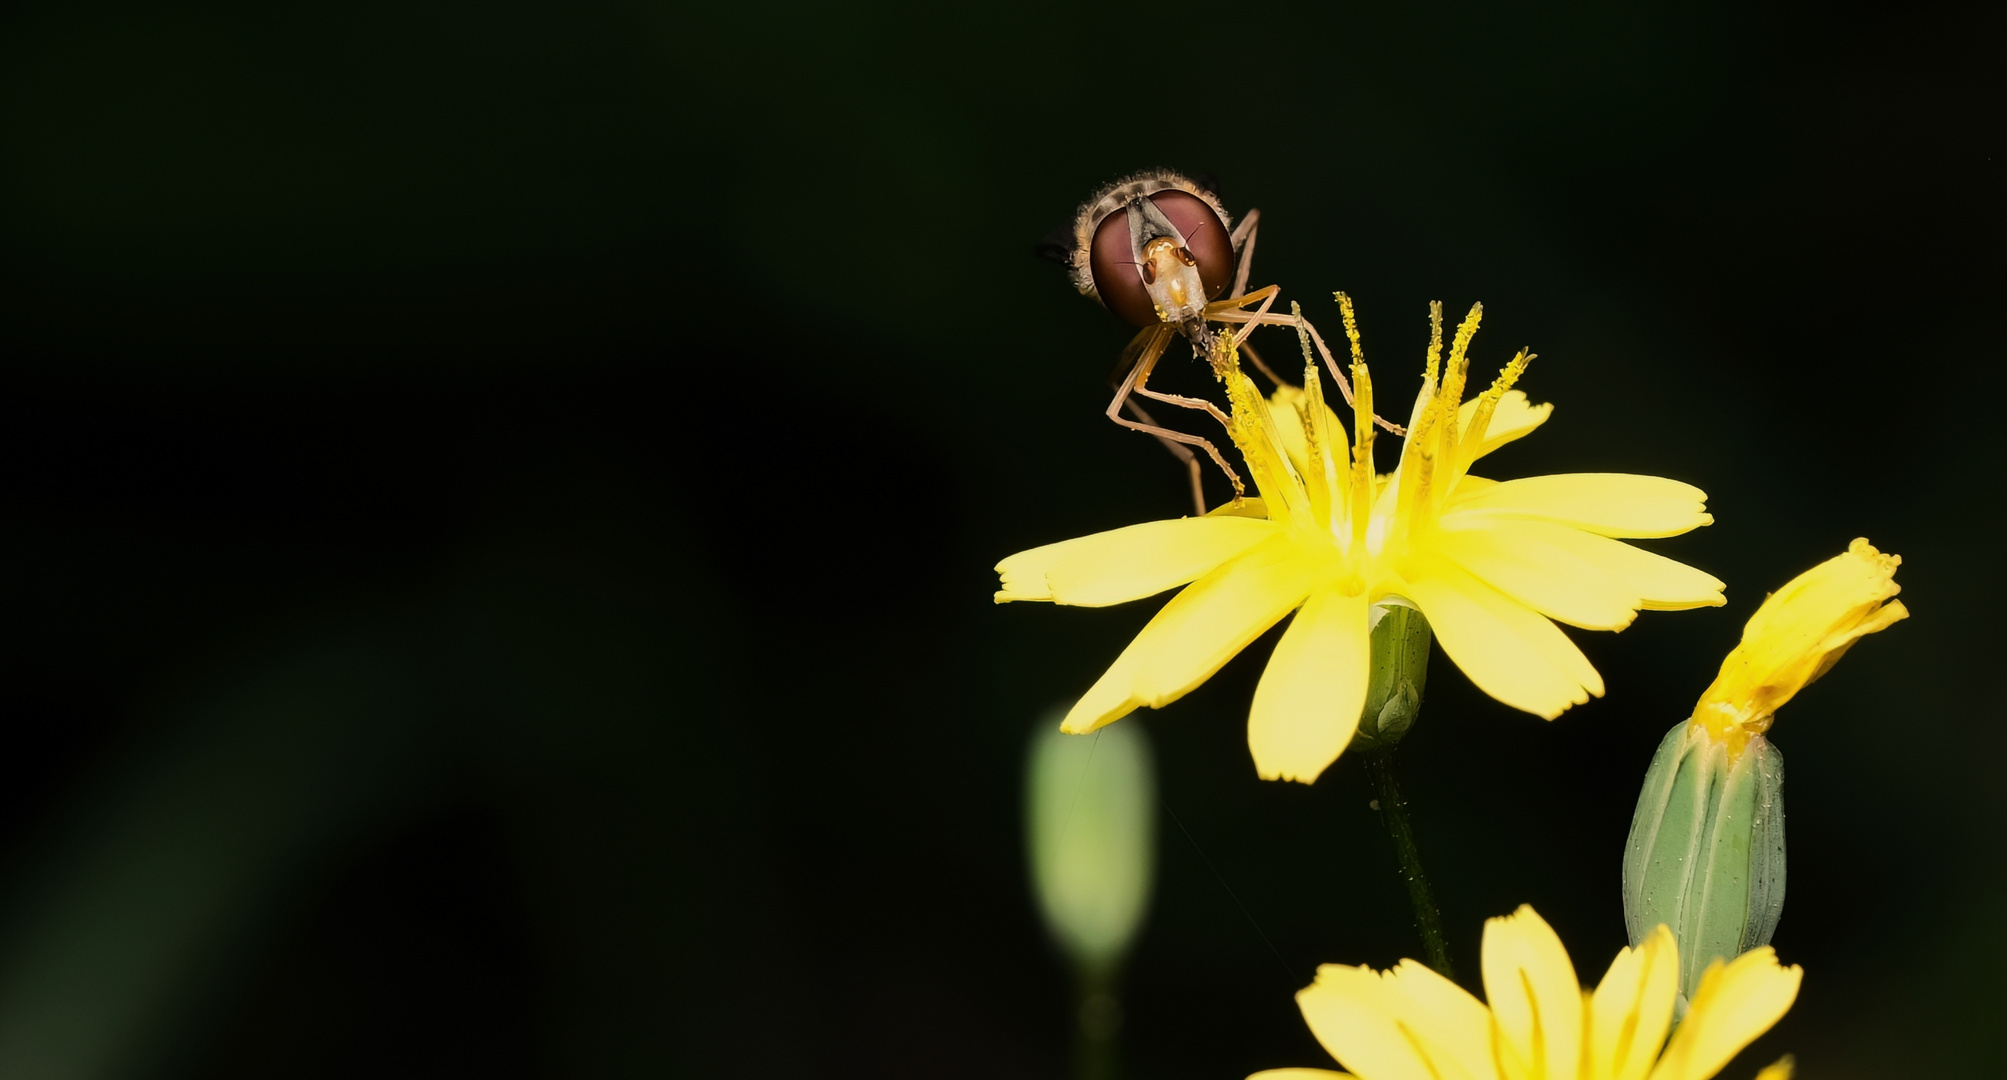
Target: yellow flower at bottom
[(1492, 565), (1409, 1022), (1798, 634)]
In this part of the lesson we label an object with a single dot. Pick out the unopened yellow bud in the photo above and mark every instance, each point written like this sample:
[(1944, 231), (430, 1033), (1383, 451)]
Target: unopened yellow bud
[(1706, 851), (1800, 631)]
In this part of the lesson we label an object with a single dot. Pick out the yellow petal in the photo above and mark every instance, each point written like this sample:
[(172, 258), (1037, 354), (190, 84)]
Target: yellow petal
[(1632, 1008), (1347, 1011), (1198, 632), (1300, 1074), (1659, 583), (1366, 1024), (1468, 486), (1535, 999), (1510, 651), (1577, 577), (1286, 404), (1513, 418), (1251, 506), (1453, 1027), (1130, 563), (1613, 504), (1732, 1006), (1548, 579), (1298, 412), (1111, 698), (1307, 704), (1798, 634), (1781, 1069)]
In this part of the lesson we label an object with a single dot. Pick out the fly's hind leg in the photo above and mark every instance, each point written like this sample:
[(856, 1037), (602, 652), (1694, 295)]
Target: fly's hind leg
[(1137, 380), (1181, 452), (1168, 435), (1183, 402)]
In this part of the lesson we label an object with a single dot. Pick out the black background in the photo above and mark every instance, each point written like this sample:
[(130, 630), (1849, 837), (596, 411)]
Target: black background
[(502, 500)]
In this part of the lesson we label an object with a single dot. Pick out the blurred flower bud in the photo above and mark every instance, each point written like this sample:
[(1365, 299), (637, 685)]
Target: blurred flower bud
[(1400, 671), (1706, 850), (1090, 825)]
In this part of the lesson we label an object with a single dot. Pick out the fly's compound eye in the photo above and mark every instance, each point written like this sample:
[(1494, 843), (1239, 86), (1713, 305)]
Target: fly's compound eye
[(1120, 280)]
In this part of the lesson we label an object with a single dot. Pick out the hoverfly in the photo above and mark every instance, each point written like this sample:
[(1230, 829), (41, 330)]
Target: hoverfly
[(1154, 248)]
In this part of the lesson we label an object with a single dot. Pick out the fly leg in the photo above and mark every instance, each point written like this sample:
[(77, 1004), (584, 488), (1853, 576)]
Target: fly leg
[(1181, 452), (1247, 350), (1243, 249), (1228, 311), (1200, 404), (1137, 380), (1242, 240), (1344, 384)]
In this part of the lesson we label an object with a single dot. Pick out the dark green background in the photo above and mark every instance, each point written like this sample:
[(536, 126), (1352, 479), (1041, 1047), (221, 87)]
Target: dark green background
[(501, 500)]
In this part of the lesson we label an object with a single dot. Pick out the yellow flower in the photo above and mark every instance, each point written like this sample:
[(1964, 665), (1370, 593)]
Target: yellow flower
[(1799, 633), (1410, 1022), (1488, 563)]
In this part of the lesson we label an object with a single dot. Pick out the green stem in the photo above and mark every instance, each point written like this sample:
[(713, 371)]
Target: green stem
[(1394, 811), (1097, 1022)]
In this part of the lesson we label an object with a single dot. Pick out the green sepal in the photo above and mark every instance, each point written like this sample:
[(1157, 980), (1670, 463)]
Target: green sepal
[(1400, 671), (1706, 850)]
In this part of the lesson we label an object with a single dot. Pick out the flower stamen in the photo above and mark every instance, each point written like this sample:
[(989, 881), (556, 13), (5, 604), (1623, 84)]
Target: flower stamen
[(1362, 454), (1487, 402), (1455, 374), (1432, 365)]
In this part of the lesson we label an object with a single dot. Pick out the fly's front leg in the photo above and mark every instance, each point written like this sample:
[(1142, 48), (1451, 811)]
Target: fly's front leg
[(1244, 235), (1240, 338), (1243, 249), (1226, 311), (1344, 384)]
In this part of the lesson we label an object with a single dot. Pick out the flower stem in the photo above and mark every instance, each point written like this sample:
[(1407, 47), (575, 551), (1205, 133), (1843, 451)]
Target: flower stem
[(1394, 811), (1098, 1020)]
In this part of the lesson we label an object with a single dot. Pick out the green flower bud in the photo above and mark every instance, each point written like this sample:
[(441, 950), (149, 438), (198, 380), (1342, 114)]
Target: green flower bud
[(1706, 851), (1090, 829), (1400, 670)]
